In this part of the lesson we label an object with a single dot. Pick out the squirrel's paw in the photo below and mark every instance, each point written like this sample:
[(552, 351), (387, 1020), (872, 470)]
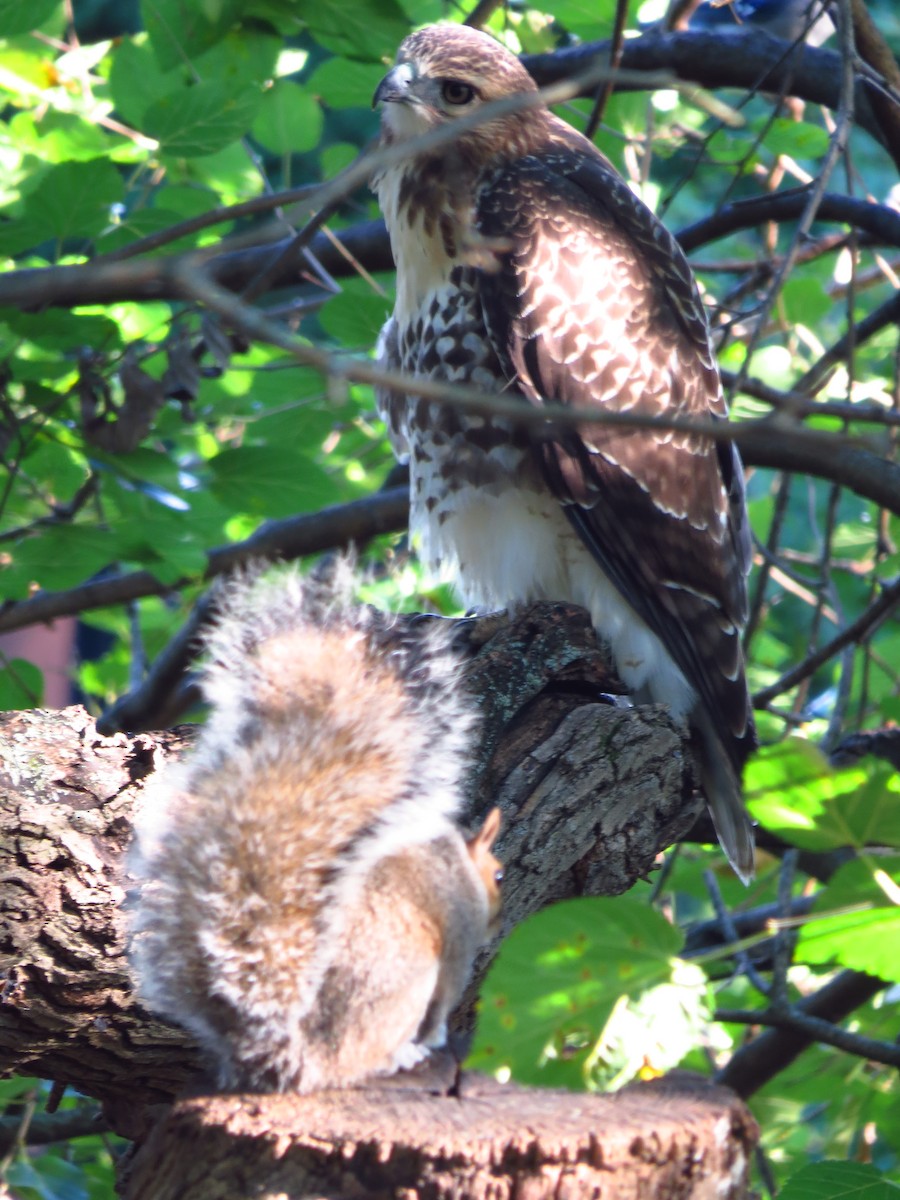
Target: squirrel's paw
[(435, 1038), (409, 1054)]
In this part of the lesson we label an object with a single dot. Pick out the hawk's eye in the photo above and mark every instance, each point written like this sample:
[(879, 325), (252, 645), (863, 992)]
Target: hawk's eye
[(455, 92)]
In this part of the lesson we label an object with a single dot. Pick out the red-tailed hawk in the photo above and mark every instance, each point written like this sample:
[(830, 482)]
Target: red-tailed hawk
[(526, 266)]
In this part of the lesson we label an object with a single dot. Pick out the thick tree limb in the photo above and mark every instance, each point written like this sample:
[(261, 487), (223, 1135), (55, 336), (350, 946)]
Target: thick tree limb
[(105, 282), (879, 221), (758, 63), (614, 784), (46, 1128)]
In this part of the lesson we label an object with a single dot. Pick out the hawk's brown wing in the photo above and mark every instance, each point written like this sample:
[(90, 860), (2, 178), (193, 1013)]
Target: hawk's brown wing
[(595, 306)]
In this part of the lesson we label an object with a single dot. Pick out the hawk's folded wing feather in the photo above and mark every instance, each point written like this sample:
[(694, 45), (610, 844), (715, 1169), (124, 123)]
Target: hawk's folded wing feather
[(595, 306)]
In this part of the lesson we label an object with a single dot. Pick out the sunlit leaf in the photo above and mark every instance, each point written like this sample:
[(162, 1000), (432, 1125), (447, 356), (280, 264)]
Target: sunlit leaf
[(799, 139), (269, 481), (370, 30), (289, 120), (856, 919), (792, 790), (200, 120), (557, 980), (342, 84)]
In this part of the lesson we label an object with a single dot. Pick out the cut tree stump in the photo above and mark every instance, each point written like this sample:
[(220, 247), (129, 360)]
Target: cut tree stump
[(680, 1138)]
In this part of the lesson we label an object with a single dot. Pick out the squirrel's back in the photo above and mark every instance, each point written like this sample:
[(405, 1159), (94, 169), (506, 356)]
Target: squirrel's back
[(314, 810)]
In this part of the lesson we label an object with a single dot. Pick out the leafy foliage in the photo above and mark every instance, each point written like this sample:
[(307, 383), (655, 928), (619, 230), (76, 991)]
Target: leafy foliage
[(141, 432)]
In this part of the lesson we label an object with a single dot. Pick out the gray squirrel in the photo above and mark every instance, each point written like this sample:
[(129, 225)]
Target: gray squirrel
[(309, 910)]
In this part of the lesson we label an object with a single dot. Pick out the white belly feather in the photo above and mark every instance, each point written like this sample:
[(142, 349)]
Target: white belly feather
[(514, 546)]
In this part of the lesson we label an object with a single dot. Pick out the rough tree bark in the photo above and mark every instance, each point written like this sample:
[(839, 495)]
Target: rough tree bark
[(591, 791), (669, 1140)]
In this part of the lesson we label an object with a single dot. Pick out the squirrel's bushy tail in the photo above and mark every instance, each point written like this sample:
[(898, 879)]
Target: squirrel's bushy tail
[(331, 741)]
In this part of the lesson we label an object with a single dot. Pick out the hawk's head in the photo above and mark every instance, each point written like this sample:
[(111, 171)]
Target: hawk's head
[(444, 71)]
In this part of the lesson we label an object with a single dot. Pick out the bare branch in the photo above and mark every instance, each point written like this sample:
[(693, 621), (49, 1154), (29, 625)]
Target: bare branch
[(215, 216), (46, 1128), (769, 1054), (816, 1030), (309, 533), (797, 403), (862, 627)]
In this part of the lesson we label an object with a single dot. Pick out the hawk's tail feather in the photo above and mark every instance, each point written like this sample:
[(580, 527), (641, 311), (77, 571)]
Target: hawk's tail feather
[(724, 796)]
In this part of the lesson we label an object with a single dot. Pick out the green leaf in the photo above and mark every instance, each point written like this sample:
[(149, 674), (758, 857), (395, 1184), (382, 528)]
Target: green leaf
[(289, 119), (200, 120), (370, 30), (559, 977), (62, 331), (59, 137), (799, 139), (57, 558), (805, 300), (270, 481), (64, 469), (340, 83), (245, 58), (156, 526), (136, 81), (863, 930), (355, 317), (792, 790), (337, 156), (19, 16), (179, 32), (72, 199), (588, 18), (49, 1176), (21, 684), (838, 1181)]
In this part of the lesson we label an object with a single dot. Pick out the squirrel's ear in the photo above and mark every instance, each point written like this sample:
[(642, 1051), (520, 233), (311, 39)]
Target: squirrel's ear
[(484, 840)]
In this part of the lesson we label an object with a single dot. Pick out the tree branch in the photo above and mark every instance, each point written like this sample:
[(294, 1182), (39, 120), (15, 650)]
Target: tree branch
[(105, 282), (878, 220), (864, 626), (815, 1029), (760, 62), (310, 533), (769, 1054), (46, 1128)]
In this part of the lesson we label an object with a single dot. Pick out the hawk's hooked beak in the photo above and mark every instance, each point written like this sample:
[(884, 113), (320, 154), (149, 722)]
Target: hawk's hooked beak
[(394, 88)]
